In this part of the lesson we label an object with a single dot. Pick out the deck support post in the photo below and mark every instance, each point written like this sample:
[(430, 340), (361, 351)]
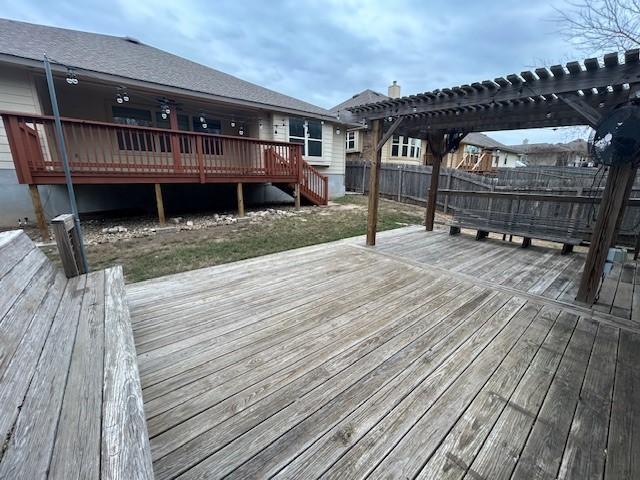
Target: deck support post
[(160, 204), (374, 184), (175, 139), (611, 207), (240, 200), (37, 207), (435, 143), (296, 195)]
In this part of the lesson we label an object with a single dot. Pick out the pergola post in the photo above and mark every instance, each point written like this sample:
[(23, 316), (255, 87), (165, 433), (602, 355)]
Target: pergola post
[(374, 184), (611, 208), (436, 145)]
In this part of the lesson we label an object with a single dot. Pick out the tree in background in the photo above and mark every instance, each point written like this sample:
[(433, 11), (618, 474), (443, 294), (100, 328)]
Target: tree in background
[(601, 25)]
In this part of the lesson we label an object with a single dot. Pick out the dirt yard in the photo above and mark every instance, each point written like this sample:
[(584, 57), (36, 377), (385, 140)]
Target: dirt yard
[(145, 250)]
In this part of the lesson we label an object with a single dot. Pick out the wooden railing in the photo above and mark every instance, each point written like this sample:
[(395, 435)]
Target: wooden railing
[(314, 185), (102, 152)]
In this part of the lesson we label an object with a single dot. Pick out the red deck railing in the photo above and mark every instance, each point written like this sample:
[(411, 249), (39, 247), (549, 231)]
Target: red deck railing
[(102, 152)]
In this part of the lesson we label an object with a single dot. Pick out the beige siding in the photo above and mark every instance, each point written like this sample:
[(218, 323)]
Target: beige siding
[(338, 148), (17, 94)]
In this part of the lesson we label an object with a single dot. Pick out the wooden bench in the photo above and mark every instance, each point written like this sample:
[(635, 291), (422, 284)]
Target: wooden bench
[(565, 233), (70, 397)]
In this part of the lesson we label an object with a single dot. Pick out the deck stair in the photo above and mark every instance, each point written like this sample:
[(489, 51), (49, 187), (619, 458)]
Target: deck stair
[(70, 397), (313, 185)]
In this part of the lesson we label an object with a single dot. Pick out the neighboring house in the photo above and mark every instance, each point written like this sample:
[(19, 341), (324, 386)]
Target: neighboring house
[(481, 154), (359, 140), (571, 154), (118, 96)]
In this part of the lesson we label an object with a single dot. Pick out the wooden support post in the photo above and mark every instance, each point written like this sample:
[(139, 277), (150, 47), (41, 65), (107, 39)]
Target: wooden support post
[(37, 207), (604, 231), (296, 195), (160, 204), (481, 235), (436, 144), (175, 140), (567, 248), (240, 200), (454, 230), (526, 242), (627, 194), (374, 184)]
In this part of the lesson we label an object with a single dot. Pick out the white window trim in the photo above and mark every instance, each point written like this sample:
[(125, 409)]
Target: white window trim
[(412, 144), (356, 146), (316, 158)]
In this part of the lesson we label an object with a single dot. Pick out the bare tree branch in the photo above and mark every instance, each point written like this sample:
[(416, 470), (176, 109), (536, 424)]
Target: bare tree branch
[(598, 26)]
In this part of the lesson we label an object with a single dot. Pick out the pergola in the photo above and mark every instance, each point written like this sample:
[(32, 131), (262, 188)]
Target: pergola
[(578, 93)]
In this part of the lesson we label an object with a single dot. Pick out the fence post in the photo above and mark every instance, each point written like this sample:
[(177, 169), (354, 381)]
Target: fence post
[(401, 169)]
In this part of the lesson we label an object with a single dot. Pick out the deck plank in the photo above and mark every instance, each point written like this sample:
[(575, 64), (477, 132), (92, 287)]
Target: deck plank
[(76, 453), (125, 444), (543, 451), (498, 456), (623, 447), (586, 447), (29, 450)]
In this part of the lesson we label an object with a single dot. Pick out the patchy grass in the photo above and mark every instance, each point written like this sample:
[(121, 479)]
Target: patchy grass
[(144, 258)]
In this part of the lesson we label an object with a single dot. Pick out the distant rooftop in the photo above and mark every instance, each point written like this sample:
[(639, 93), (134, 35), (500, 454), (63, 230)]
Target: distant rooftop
[(362, 98), (577, 145)]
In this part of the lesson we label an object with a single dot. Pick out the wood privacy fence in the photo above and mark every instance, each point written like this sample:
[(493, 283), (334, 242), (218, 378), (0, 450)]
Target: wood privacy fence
[(546, 202)]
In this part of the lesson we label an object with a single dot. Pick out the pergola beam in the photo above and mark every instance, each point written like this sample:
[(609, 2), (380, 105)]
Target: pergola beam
[(387, 135), (516, 87)]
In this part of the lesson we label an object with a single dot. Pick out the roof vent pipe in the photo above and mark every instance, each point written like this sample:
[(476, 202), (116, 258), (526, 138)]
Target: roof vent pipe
[(394, 90)]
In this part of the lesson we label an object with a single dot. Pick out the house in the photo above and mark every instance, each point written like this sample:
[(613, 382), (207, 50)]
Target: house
[(481, 154), (135, 117), (359, 140), (571, 154)]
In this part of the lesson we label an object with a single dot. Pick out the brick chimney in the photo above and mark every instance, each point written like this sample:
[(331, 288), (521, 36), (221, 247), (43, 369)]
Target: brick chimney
[(394, 90)]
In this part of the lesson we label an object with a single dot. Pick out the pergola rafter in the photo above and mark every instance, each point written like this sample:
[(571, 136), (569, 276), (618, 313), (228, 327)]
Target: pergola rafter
[(577, 93)]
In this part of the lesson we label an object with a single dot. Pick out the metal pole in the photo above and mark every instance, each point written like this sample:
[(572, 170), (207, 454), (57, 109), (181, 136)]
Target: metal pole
[(62, 151)]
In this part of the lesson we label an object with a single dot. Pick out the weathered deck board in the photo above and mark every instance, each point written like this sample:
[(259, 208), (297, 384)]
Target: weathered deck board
[(428, 356), (31, 443), (62, 414)]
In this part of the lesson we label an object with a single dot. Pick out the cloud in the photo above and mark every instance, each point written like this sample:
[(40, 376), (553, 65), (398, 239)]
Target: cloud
[(325, 51)]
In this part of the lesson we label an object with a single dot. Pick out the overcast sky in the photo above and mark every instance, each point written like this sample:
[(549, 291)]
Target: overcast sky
[(326, 51)]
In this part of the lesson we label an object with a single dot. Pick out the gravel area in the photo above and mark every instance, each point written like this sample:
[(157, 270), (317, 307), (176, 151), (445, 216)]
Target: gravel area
[(113, 230)]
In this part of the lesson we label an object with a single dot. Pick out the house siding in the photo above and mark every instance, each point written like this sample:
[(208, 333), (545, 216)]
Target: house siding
[(17, 94)]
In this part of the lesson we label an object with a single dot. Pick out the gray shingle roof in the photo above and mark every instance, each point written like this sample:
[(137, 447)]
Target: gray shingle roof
[(362, 98), (484, 141), (130, 59), (579, 146)]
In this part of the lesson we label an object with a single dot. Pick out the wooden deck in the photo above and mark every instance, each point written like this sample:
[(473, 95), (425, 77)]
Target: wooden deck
[(426, 357)]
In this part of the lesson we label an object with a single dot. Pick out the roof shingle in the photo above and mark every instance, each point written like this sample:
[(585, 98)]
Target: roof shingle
[(125, 57)]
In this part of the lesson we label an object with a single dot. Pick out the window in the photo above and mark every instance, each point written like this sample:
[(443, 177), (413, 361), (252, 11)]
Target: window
[(213, 126), (307, 133), (131, 139), (352, 140), (165, 141), (212, 146), (405, 147)]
